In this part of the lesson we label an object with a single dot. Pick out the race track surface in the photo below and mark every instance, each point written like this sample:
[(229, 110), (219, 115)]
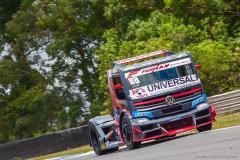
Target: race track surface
[(212, 145)]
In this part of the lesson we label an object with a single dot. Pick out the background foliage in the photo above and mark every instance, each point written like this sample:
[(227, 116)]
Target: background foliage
[(55, 54)]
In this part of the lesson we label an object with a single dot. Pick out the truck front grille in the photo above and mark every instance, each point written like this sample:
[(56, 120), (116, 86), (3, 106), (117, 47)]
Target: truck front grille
[(179, 101), (148, 127), (182, 103), (153, 133), (173, 109), (178, 124)]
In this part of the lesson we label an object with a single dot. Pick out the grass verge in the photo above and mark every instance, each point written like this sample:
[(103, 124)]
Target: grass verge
[(78, 150), (223, 121), (228, 120)]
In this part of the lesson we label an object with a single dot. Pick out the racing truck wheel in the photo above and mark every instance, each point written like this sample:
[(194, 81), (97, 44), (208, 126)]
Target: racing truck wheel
[(205, 128), (94, 140), (127, 133)]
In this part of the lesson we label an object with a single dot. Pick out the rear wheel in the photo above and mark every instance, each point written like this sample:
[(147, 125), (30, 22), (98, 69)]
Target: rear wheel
[(205, 128), (127, 133)]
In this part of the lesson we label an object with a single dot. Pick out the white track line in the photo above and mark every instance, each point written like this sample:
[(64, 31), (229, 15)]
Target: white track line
[(72, 156)]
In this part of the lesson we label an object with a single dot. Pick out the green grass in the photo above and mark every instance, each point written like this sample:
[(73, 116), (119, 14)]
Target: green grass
[(229, 120), (78, 150), (222, 122)]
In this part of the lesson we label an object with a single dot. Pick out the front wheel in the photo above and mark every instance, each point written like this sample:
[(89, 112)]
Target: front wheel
[(205, 128), (94, 140), (113, 150), (127, 133)]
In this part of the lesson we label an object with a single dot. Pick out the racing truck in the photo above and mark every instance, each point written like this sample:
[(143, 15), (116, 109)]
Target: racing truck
[(154, 95)]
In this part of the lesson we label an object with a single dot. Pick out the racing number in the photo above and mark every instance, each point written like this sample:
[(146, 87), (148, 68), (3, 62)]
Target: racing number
[(133, 80)]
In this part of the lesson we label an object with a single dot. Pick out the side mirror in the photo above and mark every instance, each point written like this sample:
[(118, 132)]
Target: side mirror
[(118, 86), (198, 66)]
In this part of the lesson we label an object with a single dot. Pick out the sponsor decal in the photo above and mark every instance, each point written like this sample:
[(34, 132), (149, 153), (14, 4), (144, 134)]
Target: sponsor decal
[(164, 86), (136, 114), (157, 67), (139, 92), (131, 73), (199, 100)]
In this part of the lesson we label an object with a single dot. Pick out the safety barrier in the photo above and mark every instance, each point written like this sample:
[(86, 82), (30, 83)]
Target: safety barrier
[(45, 144), (227, 102)]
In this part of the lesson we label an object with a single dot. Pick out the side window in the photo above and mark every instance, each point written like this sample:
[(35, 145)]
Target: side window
[(118, 90), (185, 70)]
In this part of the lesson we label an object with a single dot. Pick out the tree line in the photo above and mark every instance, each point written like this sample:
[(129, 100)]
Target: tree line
[(54, 54)]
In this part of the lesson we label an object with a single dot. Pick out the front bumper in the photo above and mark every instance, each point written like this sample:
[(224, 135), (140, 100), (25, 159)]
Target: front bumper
[(145, 129)]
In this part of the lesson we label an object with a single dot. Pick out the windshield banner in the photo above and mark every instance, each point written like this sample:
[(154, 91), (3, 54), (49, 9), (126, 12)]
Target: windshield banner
[(157, 67), (164, 86)]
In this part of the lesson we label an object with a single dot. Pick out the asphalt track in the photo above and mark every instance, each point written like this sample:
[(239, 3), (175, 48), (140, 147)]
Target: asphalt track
[(221, 144)]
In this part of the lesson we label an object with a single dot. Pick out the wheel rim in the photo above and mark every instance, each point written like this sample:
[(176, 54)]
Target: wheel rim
[(126, 130)]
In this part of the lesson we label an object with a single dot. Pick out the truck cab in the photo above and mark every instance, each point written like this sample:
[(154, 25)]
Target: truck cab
[(157, 95)]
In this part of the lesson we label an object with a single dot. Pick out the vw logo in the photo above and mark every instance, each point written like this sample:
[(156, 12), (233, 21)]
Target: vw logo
[(169, 100)]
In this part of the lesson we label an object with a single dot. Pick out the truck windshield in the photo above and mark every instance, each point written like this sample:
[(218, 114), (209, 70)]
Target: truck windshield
[(159, 76), (159, 79)]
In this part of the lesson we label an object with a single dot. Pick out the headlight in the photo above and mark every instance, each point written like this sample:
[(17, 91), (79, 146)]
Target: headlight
[(203, 106), (140, 121)]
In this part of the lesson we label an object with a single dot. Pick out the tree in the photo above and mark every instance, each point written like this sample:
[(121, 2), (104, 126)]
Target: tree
[(217, 61), (68, 32), (7, 8)]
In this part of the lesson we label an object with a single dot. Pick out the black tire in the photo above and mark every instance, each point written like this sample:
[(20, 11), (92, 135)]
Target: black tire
[(127, 133), (94, 140), (113, 150), (205, 128)]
